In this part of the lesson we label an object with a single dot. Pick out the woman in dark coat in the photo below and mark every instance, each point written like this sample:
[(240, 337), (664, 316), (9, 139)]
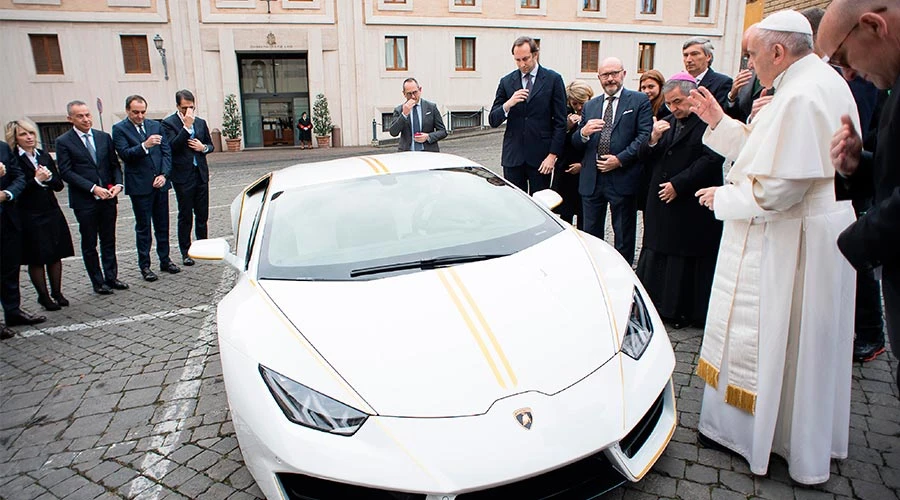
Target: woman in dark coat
[(45, 232), (651, 84), (568, 165), (305, 128), (681, 237)]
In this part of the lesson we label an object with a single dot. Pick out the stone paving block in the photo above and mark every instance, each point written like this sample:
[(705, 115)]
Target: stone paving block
[(693, 491), (240, 495), (771, 489), (119, 478), (866, 490), (701, 474), (68, 486), (218, 490), (178, 476), (142, 380), (658, 485), (241, 478), (87, 426), (682, 450), (133, 417), (221, 470), (670, 466), (39, 434), (195, 486), (839, 485), (204, 460), (89, 491), (859, 470), (736, 482), (139, 397)]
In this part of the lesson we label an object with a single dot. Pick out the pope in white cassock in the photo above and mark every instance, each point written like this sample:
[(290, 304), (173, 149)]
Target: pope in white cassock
[(777, 347)]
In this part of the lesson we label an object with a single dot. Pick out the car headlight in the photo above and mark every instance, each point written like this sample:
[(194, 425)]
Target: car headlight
[(639, 330), (309, 408)]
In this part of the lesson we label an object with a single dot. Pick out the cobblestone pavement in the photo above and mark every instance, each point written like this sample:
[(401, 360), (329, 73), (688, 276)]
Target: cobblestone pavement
[(122, 396)]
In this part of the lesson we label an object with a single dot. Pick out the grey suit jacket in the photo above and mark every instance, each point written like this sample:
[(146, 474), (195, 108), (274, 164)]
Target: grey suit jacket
[(432, 124)]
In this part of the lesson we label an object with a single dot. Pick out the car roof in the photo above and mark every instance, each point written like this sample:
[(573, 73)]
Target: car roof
[(357, 167)]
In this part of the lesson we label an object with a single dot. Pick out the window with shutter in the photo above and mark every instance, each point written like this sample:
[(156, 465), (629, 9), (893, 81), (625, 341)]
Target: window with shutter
[(135, 54), (47, 59), (590, 56)]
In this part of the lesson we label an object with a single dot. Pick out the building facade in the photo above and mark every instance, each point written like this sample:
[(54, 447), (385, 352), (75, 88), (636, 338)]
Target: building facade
[(277, 55)]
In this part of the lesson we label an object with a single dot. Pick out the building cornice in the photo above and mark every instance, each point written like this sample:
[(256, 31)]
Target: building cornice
[(160, 16)]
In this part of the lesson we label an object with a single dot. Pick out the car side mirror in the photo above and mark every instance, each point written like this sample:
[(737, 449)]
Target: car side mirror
[(214, 249), (548, 197)]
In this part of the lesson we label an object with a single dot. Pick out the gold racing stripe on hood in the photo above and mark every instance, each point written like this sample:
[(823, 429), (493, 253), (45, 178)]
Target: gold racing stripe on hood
[(461, 297), (375, 165)]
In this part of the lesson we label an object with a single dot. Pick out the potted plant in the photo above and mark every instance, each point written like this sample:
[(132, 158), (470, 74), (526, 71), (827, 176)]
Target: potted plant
[(231, 123), (322, 121)]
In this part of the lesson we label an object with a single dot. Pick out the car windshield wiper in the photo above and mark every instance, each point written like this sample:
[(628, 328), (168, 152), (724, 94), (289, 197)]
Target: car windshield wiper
[(434, 263)]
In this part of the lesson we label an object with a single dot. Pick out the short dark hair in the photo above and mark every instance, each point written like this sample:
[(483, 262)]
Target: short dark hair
[(130, 99), (522, 40), (72, 104), (183, 95), (410, 79), (814, 16)]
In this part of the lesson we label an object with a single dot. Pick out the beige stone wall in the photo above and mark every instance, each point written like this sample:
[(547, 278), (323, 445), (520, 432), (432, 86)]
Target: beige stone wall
[(82, 6), (798, 5)]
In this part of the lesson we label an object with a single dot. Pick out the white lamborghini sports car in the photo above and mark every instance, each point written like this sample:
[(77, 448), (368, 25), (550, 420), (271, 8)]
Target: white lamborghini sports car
[(411, 325)]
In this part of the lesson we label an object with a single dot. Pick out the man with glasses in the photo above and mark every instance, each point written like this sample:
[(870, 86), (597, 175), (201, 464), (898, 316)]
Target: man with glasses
[(614, 126), (532, 102), (418, 122), (776, 352), (863, 35)]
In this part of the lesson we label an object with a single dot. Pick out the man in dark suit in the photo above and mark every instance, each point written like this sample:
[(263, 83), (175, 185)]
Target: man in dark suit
[(188, 136), (12, 182), (698, 59), (87, 162), (681, 237), (746, 87), (532, 102), (417, 121), (856, 34), (614, 126), (148, 164)]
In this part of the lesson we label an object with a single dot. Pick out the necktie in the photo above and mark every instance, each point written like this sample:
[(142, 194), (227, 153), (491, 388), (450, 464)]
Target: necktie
[(528, 78), (141, 130), (90, 147), (606, 133), (416, 127)]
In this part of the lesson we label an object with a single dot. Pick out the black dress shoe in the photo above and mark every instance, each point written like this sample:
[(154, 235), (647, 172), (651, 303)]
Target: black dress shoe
[(117, 285), (103, 289), (62, 301), (170, 268), (148, 274), (6, 333), (23, 318), (48, 303), (187, 261), (867, 351), (709, 443)]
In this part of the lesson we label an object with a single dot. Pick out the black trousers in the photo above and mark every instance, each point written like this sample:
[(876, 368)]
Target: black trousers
[(527, 178), (99, 221), (193, 212), (624, 222), (151, 207), (10, 260)]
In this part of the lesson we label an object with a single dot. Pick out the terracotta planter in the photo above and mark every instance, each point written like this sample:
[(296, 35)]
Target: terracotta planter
[(323, 141), (234, 145)]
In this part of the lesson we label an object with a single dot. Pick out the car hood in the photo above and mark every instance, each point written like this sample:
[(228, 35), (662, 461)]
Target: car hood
[(452, 341)]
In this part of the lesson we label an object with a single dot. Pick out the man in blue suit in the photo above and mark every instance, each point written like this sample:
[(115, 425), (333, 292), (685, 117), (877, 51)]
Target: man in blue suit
[(87, 162), (698, 58), (148, 163), (614, 126), (532, 102), (189, 138)]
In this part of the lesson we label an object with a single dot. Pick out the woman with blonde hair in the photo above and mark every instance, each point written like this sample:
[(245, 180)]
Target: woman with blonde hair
[(45, 232), (568, 165), (651, 83)]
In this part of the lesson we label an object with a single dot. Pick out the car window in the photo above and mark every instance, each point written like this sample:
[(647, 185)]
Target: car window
[(324, 232), (248, 207)]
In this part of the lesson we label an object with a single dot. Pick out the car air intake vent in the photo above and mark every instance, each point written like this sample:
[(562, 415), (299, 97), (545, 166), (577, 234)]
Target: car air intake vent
[(638, 436), (300, 487)]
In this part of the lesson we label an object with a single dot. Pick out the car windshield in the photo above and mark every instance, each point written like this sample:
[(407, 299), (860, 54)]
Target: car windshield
[(384, 225)]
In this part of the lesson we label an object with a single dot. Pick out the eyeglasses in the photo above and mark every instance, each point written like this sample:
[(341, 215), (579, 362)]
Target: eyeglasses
[(835, 58), (411, 93), (604, 76)]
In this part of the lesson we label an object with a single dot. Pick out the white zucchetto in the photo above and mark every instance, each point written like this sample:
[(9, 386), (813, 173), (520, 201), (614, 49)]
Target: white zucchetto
[(787, 20)]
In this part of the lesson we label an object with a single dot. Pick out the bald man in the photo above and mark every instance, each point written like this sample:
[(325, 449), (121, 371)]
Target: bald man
[(863, 35)]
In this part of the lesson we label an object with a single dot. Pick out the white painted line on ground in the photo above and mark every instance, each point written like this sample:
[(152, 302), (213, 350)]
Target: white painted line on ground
[(115, 321), (155, 464)]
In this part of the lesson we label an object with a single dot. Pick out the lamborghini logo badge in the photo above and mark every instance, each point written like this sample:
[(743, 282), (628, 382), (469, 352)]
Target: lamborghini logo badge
[(524, 417)]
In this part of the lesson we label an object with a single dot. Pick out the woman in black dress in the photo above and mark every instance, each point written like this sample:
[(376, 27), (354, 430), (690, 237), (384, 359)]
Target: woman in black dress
[(568, 165), (305, 128), (45, 232)]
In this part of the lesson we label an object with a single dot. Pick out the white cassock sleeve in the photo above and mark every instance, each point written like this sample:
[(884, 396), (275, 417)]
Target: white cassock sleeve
[(761, 194), (728, 138)]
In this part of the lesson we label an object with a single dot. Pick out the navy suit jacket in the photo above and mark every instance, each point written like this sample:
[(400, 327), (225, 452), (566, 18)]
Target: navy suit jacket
[(78, 169), (432, 124), (13, 181), (535, 127), (718, 85), (182, 155), (140, 167), (631, 128)]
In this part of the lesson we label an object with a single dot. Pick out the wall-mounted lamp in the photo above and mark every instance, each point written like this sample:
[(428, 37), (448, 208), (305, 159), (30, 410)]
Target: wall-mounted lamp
[(158, 41)]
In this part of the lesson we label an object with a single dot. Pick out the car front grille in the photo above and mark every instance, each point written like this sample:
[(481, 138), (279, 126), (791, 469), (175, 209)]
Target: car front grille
[(638, 436), (587, 478)]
